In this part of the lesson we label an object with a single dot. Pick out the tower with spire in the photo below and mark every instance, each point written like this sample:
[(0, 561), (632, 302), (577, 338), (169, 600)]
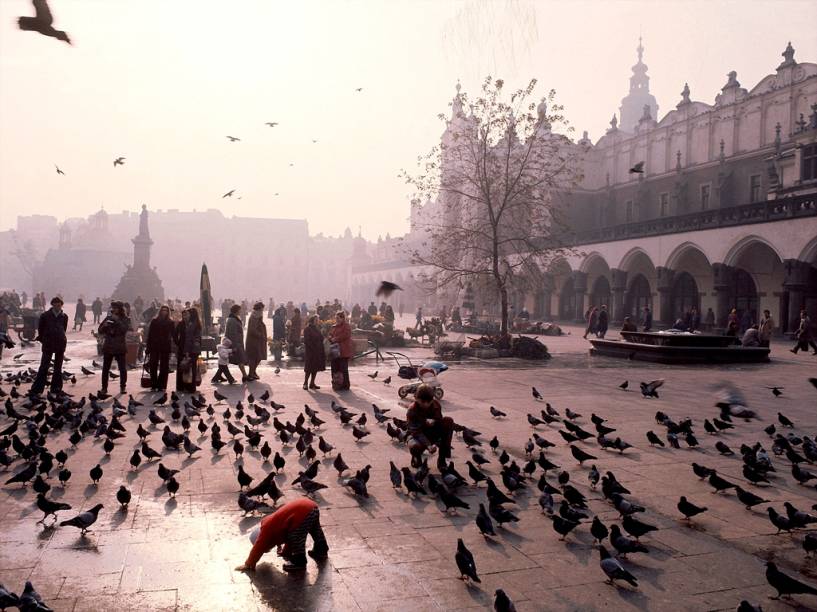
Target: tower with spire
[(632, 105), (140, 279)]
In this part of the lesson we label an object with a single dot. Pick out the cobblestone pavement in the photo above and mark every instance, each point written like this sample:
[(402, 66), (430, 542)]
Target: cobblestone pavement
[(390, 552)]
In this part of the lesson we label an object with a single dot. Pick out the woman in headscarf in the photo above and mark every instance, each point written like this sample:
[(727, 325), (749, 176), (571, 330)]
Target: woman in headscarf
[(234, 330), (188, 341), (314, 354), (256, 339), (160, 334)]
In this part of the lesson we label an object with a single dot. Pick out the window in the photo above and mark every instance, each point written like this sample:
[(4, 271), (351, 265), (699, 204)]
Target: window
[(663, 201), (754, 188), (628, 211), (808, 163), (705, 190)]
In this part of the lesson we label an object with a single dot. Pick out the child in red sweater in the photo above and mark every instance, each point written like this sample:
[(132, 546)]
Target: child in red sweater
[(287, 529)]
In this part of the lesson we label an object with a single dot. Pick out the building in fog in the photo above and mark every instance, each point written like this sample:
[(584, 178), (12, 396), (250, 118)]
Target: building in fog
[(724, 215)]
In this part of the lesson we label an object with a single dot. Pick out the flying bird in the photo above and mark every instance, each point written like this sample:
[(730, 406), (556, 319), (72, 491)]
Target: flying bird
[(233, 139), (358, 89), (638, 168), (119, 161), (42, 22), (386, 289), (229, 194), (58, 170), (271, 123)]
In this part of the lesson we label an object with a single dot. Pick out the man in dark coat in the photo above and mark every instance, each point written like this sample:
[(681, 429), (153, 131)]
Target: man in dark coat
[(647, 319), (603, 322), (51, 330), (96, 309), (79, 315), (114, 330), (314, 354), (160, 333), (279, 324)]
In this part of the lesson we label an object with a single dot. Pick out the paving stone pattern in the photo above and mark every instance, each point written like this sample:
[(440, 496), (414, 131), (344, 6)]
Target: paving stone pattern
[(391, 552)]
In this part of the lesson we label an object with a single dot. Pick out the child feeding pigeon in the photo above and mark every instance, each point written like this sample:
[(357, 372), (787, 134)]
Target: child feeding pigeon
[(287, 529)]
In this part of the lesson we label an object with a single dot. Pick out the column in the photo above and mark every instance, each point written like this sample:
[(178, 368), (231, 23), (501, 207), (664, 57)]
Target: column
[(722, 283), (664, 287), (547, 297), (795, 285), (580, 289), (618, 287)]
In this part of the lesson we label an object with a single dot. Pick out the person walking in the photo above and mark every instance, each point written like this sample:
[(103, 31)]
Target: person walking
[(341, 335), (114, 328), (314, 353), (695, 320), (158, 345), (224, 350), (389, 316), (235, 332), (294, 338), (804, 335), (647, 319), (766, 328), (96, 310), (188, 341), (418, 318), (51, 328), (603, 322), (79, 314), (592, 322), (286, 530), (732, 323), (256, 340)]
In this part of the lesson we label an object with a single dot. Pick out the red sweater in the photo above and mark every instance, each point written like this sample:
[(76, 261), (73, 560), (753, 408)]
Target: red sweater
[(276, 526)]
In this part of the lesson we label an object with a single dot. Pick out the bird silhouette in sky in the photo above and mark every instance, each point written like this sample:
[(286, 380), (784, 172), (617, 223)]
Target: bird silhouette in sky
[(387, 288), (233, 139), (271, 123), (638, 168), (314, 140), (229, 194), (58, 170), (359, 89), (41, 22), (119, 161)]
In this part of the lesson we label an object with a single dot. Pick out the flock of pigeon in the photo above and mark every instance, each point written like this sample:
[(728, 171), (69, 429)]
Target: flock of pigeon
[(167, 426)]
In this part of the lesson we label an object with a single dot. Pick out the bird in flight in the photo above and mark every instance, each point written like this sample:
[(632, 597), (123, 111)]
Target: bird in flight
[(271, 123), (638, 168), (387, 288), (229, 194), (233, 139), (291, 164), (314, 140), (359, 89), (119, 161), (276, 193), (41, 22), (58, 170)]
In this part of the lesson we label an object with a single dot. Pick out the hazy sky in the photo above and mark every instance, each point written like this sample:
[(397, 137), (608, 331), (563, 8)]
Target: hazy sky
[(163, 82)]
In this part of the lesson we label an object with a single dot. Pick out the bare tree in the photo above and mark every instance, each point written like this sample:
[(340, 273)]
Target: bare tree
[(498, 179)]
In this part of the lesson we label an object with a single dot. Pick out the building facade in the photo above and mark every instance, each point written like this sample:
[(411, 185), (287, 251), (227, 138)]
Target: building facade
[(723, 214)]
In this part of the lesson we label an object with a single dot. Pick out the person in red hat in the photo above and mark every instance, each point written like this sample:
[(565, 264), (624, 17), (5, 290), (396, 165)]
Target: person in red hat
[(287, 529)]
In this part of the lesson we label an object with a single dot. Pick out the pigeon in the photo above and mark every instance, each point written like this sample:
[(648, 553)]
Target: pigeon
[(536, 395), (84, 519), (465, 562), (24, 475), (500, 514), (42, 23), (49, 507), (654, 440), (624, 506), (502, 603), (623, 544), (452, 501), (484, 523), (623, 386), (8, 599), (723, 449), (580, 455), (358, 433), (96, 474), (718, 483), (784, 420), (395, 476), (810, 543), (64, 476), (496, 413), (119, 161), (339, 464), (783, 523), (776, 391), (358, 486), (635, 527), (749, 499), (785, 584), (562, 526), (123, 496), (373, 376), (598, 530), (701, 471), (412, 486), (566, 512), (638, 168), (386, 289), (614, 570), (800, 475), (797, 517), (172, 486), (31, 601), (233, 139), (310, 486), (249, 505), (688, 509)]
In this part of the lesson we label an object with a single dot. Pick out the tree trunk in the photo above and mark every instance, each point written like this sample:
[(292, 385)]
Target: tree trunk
[(503, 296)]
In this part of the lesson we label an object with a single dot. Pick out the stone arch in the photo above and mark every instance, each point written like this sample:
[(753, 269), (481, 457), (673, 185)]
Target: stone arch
[(560, 272), (638, 295), (600, 292), (809, 252), (567, 299), (692, 281), (758, 274), (599, 277), (745, 243), (681, 252), (633, 257)]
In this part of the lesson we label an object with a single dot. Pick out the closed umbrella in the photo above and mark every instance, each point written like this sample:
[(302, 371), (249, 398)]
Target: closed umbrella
[(206, 298)]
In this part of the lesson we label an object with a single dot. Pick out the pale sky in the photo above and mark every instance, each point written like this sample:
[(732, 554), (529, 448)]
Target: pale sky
[(163, 82)]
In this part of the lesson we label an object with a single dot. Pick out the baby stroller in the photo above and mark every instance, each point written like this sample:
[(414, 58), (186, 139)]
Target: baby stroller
[(425, 374)]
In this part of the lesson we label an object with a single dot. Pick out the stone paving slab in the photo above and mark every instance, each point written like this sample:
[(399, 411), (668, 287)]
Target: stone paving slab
[(392, 552)]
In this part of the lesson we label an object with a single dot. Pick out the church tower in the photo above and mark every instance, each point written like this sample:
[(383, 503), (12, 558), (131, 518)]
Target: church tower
[(632, 105)]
